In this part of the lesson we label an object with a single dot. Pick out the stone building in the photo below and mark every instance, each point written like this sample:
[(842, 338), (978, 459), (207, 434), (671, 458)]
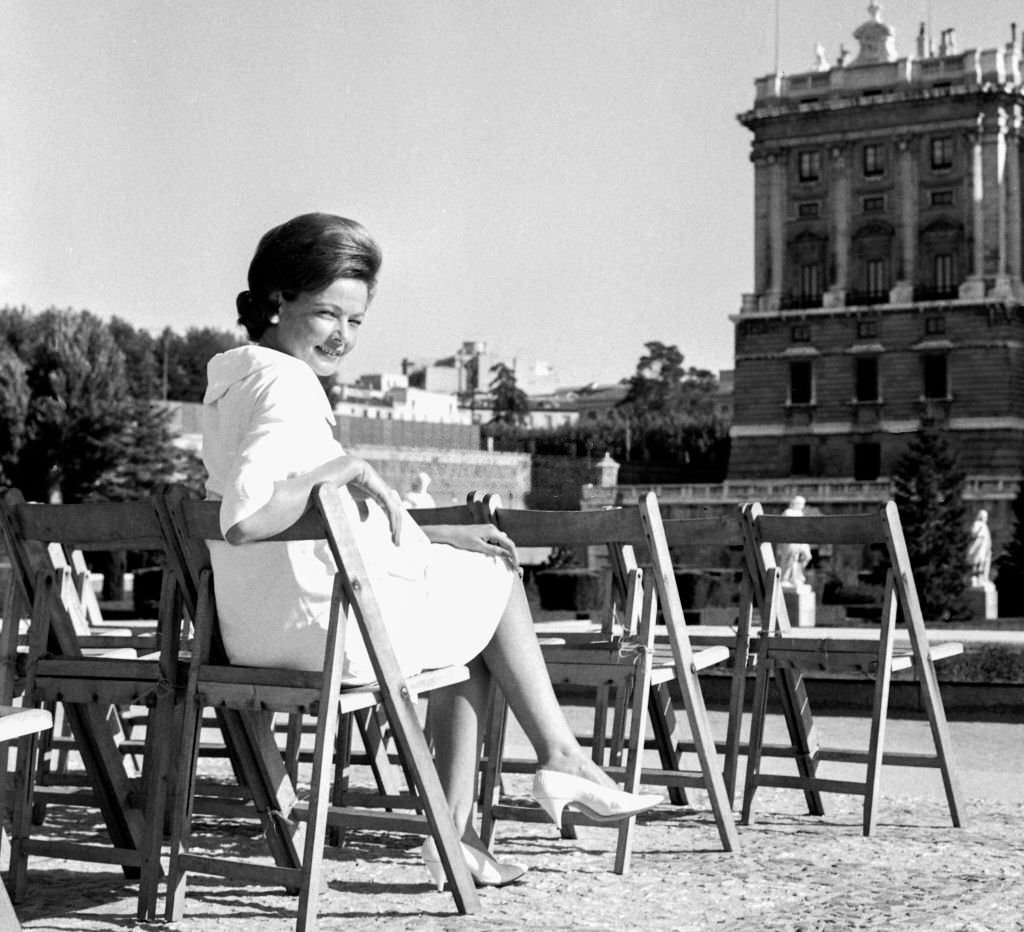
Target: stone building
[(887, 266)]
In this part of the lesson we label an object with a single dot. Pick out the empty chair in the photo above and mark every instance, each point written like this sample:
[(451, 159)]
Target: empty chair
[(623, 658), (784, 650), (58, 668)]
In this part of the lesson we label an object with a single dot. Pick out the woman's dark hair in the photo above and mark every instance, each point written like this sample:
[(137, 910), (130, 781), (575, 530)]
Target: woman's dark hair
[(307, 253)]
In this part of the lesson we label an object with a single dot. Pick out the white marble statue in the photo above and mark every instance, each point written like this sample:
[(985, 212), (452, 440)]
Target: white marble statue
[(794, 557), (979, 551), (418, 496)]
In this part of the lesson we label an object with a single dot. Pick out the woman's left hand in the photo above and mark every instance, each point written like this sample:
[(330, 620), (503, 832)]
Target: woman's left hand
[(480, 538)]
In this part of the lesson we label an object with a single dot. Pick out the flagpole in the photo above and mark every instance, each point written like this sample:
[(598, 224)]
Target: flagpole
[(778, 3)]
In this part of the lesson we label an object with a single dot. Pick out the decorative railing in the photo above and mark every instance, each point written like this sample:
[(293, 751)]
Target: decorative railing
[(820, 492)]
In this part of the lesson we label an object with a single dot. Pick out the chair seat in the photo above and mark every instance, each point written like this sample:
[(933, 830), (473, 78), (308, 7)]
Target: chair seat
[(16, 722), (271, 689), (854, 654)]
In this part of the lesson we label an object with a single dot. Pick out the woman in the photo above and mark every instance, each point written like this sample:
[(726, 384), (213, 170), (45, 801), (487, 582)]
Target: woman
[(448, 595)]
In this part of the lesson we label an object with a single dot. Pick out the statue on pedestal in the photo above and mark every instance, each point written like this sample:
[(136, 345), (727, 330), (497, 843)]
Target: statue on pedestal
[(794, 557), (979, 551)]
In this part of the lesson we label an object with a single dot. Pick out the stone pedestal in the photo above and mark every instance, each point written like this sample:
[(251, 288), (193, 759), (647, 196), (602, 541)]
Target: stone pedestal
[(799, 605), (983, 601)]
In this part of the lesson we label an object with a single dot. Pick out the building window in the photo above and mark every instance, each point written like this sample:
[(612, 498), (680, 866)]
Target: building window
[(878, 277), (945, 275), (873, 205), (800, 459), (801, 333), (810, 281), (867, 329), (866, 378), (874, 162), (809, 166), (942, 152), (807, 210), (942, 198), (867, 461), (801, 382), (934, 325), (936, 381)]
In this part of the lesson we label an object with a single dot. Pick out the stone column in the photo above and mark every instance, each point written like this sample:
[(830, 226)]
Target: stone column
[(1013, 206), (762, 228), (840, 248), (903, 292), (974, 286), (777, 228), (994, 166)]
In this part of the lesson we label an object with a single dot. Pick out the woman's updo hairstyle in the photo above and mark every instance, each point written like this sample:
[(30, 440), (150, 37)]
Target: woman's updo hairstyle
[(307, 253)]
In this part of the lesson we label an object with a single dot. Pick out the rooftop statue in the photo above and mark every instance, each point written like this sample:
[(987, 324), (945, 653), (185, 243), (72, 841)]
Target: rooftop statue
[(877, 39)]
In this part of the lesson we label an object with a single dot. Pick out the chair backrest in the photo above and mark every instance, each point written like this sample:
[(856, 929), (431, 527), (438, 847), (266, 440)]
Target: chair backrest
[(619, 531), (192, 523), (881, 527), (45, 541)]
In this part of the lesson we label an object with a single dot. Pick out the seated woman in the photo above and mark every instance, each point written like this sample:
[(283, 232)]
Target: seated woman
[(448, 595)]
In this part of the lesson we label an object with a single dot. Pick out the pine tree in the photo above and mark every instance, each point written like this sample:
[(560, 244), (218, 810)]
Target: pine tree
[(511, 406), (928, 490)]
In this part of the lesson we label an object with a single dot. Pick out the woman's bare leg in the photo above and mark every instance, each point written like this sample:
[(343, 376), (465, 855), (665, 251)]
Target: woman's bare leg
[(456, 725), (514, 659)]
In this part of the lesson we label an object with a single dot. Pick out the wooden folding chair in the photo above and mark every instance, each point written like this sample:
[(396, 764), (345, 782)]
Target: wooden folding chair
[(26, 724), (59, 668), (622, 660), (245, 695), (783, 650)]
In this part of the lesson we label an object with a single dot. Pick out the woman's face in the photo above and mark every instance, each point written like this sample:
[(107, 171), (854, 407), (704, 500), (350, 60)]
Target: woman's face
[(320, 328)]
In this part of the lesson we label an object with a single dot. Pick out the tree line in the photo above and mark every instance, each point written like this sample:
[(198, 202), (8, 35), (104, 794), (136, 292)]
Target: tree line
[(667, 424), (80, 416)]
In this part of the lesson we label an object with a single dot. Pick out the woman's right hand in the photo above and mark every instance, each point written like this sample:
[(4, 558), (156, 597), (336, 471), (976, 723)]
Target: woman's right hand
[(364, 477)]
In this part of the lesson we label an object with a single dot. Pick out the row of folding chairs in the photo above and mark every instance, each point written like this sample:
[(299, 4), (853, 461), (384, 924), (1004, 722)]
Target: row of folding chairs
[(632, 672), (644, 660)]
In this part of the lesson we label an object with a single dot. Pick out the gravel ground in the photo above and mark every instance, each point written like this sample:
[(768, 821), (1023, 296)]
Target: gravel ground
[(793, 872)]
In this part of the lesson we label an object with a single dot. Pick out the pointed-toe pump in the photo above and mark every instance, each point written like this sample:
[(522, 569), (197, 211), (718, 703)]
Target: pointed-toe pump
[(485, 870), (555, 791)]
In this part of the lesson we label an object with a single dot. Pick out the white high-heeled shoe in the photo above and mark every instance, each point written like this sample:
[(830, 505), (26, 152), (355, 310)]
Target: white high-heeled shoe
[(486, 871), (554, 791)]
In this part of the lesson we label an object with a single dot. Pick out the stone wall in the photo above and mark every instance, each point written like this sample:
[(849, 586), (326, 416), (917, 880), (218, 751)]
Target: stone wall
[(453, 473)]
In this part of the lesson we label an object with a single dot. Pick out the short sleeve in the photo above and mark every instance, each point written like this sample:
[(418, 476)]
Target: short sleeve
[(285, 431)]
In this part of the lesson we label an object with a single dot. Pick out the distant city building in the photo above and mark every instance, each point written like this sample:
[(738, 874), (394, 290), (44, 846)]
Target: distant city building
[(887, 262), (389, 397), (570, 404)]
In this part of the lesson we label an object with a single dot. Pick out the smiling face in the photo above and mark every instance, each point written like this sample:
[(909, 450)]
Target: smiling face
[(320, 328)]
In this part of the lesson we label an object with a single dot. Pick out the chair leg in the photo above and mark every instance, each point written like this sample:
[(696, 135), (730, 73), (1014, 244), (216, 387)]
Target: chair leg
[(21, 785), (756, 740), (803, 739), (737, 692), (700, 728), (183, 801), (293, 746), (879, 711), (663, 719), (494, 750), (160, 726), (641, 686)]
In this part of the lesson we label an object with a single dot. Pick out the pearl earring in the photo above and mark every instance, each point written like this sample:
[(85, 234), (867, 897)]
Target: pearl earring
[(275, 319)]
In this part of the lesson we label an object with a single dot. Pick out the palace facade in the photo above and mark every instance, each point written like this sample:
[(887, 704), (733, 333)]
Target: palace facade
[(888, 263)]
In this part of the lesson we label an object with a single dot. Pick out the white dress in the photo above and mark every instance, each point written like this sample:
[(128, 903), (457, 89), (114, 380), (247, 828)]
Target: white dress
[(266, 418)]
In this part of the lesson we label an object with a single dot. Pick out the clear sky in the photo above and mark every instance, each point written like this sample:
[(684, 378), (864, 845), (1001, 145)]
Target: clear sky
[(563, 179)]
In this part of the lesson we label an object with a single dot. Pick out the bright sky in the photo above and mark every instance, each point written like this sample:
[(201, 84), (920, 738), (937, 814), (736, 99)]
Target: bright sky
[(563, 179)]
